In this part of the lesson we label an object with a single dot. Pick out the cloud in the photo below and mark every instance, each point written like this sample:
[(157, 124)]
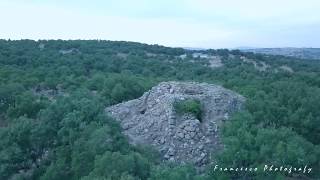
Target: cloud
[(184, 23), (45, 22)]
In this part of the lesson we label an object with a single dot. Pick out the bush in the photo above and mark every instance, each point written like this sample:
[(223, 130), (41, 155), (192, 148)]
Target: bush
[(191, 106)]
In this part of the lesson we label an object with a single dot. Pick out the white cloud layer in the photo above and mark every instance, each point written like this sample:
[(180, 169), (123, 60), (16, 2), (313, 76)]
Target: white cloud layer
[(188, 23)]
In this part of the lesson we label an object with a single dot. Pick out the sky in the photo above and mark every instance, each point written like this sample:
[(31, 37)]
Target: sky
[(176, 23)]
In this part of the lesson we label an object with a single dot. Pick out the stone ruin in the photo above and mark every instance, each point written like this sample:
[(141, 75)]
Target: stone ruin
[(180, 138)]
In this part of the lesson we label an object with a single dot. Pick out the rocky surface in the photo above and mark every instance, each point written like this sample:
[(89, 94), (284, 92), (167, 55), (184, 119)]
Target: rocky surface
[(286, 68), (69, 51), (215, 62), (151, 120), (258, 65)]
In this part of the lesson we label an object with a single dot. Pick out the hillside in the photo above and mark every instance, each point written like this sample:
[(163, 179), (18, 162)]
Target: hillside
[(54, 125), (302, 53)]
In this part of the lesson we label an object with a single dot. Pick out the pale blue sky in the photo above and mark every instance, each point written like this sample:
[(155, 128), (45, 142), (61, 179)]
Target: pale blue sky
[(183, 23)]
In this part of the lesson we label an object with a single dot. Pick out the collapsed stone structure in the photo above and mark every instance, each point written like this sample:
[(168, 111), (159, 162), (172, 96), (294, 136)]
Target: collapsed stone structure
[(152, 120)]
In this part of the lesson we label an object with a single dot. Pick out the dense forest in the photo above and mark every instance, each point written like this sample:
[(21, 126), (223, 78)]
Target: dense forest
[(53, 126), (303, 53)]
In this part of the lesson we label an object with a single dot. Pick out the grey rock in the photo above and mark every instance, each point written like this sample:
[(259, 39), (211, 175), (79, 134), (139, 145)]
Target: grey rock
[(166, 156), (162, 140), (180, 135), (187, 136), (201, 147), (151, 119), (171, 152)]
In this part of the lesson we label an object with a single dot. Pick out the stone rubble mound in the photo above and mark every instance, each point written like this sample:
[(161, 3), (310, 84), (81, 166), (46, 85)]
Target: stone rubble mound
[(181, 138)]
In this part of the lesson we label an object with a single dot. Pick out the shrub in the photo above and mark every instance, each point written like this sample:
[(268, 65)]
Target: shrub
[(191, 106)]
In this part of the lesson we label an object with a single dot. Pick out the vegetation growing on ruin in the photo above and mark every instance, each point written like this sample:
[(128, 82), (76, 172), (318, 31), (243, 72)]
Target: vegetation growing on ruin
[(190, 106)]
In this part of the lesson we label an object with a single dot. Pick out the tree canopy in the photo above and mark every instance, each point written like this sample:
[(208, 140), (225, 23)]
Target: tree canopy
[(53, 94)]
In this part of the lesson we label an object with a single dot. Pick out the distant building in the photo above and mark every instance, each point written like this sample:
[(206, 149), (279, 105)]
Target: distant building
[(200, 55), (183, 56)]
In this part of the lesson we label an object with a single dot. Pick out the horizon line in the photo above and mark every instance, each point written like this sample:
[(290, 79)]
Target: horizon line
[(183, 47)]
